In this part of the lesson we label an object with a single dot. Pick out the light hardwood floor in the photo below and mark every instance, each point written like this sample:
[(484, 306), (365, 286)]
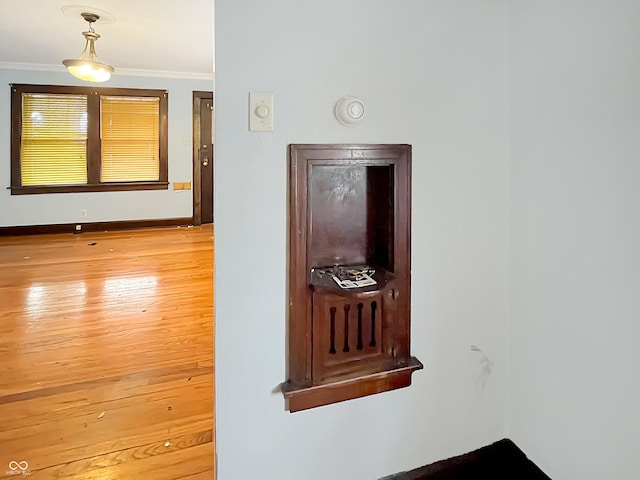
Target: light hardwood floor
[(106, 355)]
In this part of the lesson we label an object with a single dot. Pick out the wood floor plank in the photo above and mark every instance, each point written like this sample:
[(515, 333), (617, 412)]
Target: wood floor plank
[(106, 354), (101, 462)]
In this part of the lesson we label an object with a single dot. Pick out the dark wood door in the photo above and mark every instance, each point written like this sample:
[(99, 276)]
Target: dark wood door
[(206, 160)]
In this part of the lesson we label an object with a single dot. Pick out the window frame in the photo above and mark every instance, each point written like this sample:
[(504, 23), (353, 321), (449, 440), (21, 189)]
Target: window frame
[(94, 160)]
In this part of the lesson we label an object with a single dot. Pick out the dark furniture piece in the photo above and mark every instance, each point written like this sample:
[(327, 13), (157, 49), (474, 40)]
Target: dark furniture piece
[(349, 218), (502, 460)]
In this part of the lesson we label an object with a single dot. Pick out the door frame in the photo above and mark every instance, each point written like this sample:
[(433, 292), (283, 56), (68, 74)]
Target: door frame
[(198, 96)]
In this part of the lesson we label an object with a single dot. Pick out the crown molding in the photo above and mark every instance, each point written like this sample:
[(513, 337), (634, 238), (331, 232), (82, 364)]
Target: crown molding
[(133, 72), (30, 66), (164, 74)]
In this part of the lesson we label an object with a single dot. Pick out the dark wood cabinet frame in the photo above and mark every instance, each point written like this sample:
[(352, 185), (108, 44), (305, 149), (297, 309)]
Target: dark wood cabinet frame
[(348, 205)]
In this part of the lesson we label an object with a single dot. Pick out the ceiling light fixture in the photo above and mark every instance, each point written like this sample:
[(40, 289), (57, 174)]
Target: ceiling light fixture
[(87, 67)]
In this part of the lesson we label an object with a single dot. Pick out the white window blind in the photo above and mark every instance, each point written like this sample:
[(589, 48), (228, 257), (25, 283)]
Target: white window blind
[(53, 147), (130, 136)]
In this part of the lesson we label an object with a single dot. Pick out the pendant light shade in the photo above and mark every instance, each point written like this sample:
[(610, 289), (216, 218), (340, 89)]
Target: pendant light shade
[(87, 67)]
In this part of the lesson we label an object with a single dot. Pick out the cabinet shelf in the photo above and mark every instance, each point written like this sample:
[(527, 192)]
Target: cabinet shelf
[(305, 397), (324, 283)]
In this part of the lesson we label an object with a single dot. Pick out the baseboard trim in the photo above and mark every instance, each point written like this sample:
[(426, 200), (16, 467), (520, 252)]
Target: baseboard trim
[(93, 226)]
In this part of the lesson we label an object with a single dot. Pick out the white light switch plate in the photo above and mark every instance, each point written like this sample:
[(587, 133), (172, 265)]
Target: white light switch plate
[(260, 112)]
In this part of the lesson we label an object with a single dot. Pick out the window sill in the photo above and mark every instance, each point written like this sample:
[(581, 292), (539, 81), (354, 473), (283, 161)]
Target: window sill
[(100, 187), (302, 398)]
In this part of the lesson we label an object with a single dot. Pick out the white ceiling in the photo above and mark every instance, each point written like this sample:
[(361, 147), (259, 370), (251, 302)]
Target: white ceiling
[(161, 36)]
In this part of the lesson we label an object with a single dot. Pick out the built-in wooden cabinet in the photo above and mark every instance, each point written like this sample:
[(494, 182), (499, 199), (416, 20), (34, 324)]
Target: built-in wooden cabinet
[(349, 224)]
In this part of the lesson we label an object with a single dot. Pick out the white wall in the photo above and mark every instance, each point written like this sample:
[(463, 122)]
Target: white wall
[(575, 225), (103, 206), (432, 74)]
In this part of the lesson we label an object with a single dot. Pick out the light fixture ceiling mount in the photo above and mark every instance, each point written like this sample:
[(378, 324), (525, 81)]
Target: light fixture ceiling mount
[(87, 67)]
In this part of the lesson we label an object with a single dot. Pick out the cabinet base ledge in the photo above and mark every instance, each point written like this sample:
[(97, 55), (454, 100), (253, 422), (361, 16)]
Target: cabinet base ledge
[(303, 398)]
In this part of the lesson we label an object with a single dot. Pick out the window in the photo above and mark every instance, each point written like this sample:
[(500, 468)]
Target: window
[(86, 139)]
